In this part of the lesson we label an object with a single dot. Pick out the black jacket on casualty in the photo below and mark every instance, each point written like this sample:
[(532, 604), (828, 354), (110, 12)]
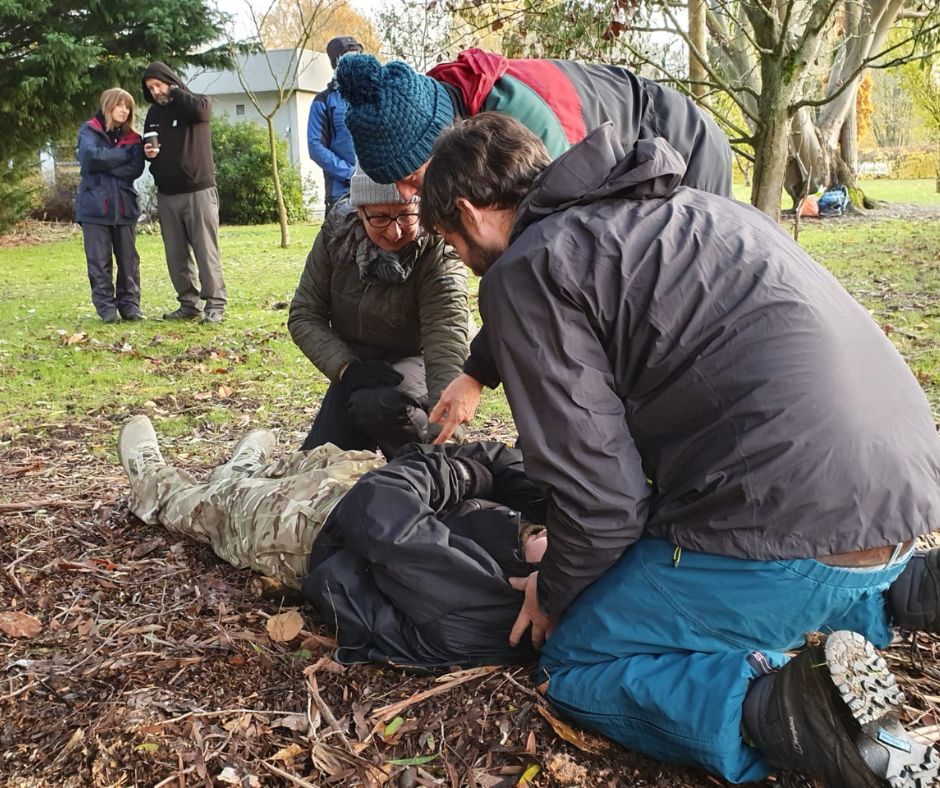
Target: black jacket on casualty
[(411, 574), (184, 164), (649, 331)]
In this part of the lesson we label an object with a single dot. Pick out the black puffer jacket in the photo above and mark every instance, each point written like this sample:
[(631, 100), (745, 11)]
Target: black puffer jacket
[(411, 575)]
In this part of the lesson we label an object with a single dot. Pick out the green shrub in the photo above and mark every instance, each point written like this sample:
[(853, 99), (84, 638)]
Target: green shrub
[(243, 175), (20, 186), (56, 202)]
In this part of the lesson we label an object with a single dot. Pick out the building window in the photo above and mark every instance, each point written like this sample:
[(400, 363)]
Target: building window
[(240, 110)]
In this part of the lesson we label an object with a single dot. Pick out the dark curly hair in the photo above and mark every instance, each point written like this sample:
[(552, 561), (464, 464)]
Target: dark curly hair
[(490, 160)]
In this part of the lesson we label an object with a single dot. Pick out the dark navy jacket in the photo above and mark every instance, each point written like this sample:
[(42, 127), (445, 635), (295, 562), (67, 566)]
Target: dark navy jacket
[(329, 142), (412, 575), (106, 193)]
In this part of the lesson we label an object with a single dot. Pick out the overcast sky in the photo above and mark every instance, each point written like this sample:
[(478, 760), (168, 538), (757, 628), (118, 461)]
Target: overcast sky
[(243, 28)]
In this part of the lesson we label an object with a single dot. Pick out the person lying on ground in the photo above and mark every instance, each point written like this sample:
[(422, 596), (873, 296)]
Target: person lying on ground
[(734, 453), (409, 560), (382, 310)]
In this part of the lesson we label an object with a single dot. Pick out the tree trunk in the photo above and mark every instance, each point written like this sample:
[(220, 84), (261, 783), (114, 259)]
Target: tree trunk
[(699, 39), (848, 139), (770, 145), (278, 194)]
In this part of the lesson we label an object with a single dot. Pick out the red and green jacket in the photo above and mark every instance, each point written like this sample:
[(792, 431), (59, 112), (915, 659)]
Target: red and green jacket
[(561, 101)]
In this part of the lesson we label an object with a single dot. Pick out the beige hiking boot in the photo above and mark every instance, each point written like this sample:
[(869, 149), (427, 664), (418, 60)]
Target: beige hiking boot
[(251, 453), (140, 457)]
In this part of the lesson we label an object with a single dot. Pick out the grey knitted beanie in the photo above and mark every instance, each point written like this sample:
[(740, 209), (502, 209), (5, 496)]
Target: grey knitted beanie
[(365, 191)]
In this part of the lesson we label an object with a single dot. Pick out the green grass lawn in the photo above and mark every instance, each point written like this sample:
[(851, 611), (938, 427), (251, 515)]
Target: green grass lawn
[(60, 365), (915, 192)]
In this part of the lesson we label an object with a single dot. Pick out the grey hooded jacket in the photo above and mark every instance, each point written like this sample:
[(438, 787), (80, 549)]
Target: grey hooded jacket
[(677, 367)]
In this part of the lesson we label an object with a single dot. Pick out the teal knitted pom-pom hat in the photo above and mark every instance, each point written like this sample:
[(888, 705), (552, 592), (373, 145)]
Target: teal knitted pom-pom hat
[(394, 114)]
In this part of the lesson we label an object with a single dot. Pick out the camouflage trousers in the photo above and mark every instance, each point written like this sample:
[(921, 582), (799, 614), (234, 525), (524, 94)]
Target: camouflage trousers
[(262, 517)]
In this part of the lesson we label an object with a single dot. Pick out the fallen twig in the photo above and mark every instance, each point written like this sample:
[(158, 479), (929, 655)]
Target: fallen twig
[(394, 709), (217, 713), (325, 710), (287, 775), (176, 776), (52, 503)]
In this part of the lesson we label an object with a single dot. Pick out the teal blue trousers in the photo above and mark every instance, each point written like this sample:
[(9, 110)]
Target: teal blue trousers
[(658, 653)]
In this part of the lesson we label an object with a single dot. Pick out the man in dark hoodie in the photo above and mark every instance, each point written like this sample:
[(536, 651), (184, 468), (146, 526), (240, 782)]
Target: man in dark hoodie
[(184, 172), (735, 455)]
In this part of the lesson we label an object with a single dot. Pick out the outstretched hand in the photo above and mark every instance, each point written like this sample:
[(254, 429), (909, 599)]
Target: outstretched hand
[(457, 405), (531, 614)]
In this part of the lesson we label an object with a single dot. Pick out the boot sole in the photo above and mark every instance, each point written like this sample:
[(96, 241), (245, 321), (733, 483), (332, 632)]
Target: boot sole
[(871, 694)]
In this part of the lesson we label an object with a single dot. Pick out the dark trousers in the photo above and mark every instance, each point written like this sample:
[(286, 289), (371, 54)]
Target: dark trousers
[(374, 418), (101, 242)]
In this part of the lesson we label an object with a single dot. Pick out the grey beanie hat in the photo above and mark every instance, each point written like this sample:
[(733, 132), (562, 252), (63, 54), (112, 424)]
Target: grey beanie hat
[(365, 191)]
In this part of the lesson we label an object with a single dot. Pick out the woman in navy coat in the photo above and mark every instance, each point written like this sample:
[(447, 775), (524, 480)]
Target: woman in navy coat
[(111, 156)]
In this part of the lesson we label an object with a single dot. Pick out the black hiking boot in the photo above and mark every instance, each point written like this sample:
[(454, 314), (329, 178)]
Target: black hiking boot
[(182, 314), (914, 598), (832, 713)]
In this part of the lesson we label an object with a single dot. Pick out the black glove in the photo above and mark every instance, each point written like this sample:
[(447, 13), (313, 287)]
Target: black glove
[(474, 478), (369, 375)]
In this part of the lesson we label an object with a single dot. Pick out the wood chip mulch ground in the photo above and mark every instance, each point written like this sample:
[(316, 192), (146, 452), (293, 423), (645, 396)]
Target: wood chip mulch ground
[(139, 658)]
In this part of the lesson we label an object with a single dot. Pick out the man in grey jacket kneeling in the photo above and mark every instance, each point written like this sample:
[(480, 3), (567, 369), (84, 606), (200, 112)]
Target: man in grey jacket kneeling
[(735, 455)]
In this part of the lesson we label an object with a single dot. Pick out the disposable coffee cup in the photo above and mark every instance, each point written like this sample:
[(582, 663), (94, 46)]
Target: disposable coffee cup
[(152, 138)]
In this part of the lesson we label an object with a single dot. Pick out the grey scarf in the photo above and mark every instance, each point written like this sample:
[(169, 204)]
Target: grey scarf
[(374, 264)]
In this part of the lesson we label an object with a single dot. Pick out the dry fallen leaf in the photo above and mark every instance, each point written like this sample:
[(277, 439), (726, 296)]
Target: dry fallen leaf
[(285, 626), (288, 754), (74, 339), (239, 724), (231, 776), (20, 625), (583, 741), (295, 722), (224, 392)]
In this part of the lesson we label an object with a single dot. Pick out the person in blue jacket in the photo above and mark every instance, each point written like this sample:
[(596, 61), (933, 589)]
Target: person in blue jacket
[(111, 156), (328, 140)]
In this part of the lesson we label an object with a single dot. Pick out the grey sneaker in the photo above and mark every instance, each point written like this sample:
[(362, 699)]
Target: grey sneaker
[(251, 453), (914, 598), (134, 316), (212, 316), (182, 314), (111, 317), (832, 712), (140, 456)]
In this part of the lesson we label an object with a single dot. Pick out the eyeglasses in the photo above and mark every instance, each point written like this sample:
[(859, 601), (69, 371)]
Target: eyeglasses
[(382, 220)]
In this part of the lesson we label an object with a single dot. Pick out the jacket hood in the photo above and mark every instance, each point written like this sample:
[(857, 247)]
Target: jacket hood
[(128, 137), (473, 73), (598, 168), (164, 73)]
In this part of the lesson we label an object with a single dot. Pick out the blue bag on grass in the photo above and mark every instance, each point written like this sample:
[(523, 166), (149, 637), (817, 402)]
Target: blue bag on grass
[(834, 201)]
